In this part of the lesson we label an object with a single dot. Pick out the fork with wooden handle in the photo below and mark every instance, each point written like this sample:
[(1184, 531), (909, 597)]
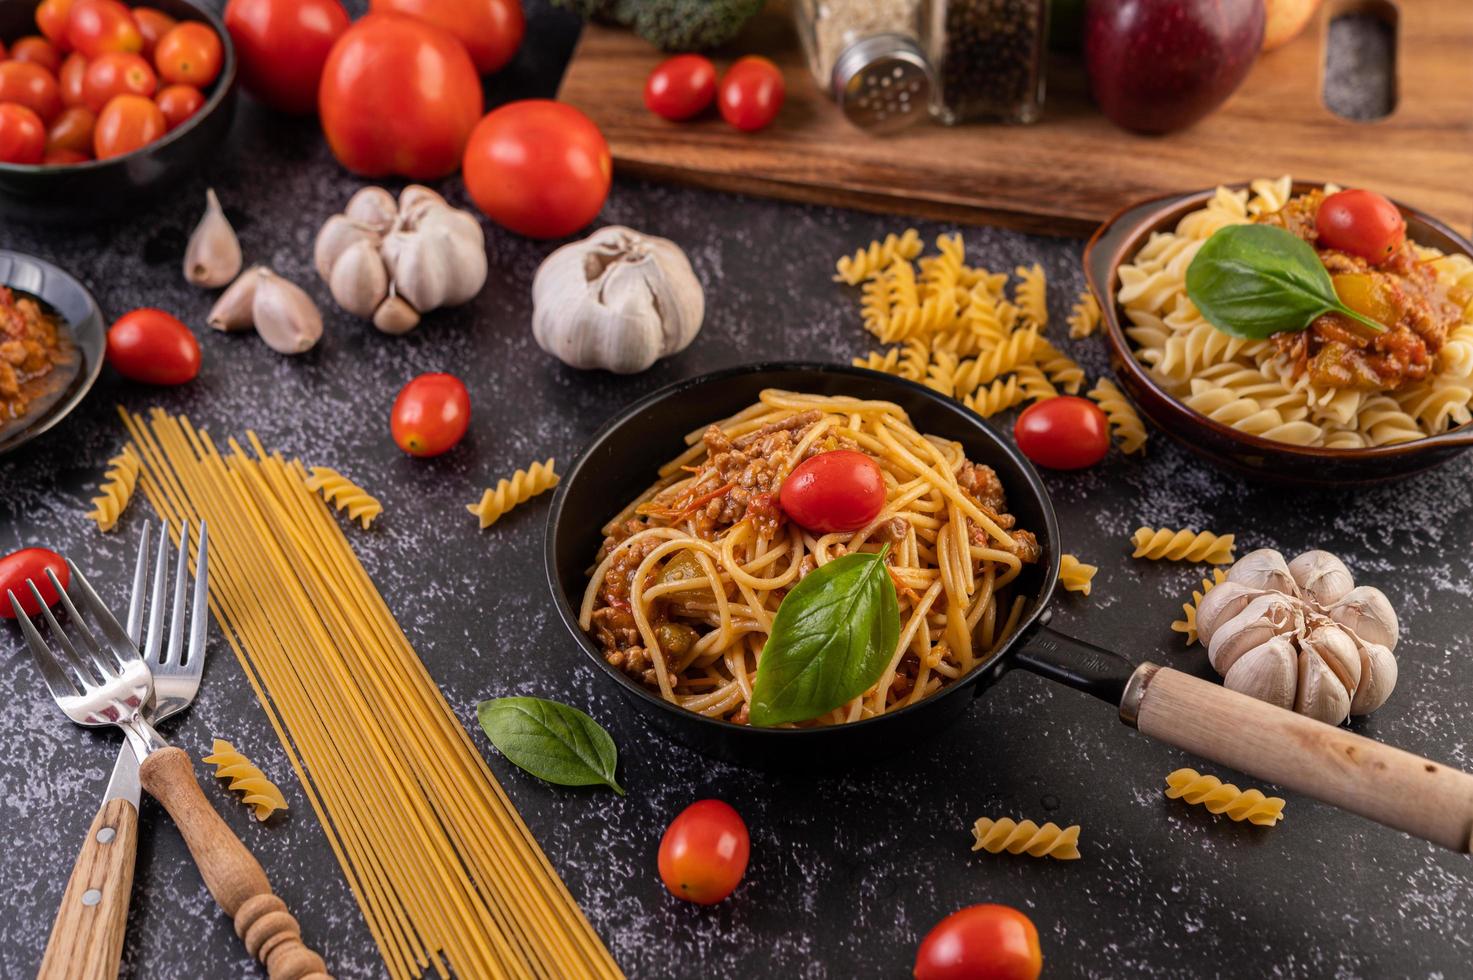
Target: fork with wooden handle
[(104, 681)]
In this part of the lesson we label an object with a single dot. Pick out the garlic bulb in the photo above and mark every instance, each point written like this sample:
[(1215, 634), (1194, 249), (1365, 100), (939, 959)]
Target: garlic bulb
[(392, 262), (616, 300), (212, 258), (1301, 635)]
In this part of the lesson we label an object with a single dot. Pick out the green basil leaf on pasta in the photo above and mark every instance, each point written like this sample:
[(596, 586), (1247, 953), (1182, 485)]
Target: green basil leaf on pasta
[(551, 741), (1253, 281), (832, 638)]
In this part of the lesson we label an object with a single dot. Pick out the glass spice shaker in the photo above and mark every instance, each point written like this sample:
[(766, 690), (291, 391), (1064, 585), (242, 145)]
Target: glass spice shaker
[(988, 57), (867, 55)]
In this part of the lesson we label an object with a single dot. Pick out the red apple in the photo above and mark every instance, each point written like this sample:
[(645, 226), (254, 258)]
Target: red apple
[(1156, 66)]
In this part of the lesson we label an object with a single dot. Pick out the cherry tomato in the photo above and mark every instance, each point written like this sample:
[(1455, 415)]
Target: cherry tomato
[(51, 18), (430, 415), (152, 25), (190, 54), (178, 103), (841, 490), (30, 564), (680, 87), (491, 30), (32, 86), (72, 80), (153, 347), (704, 852), (751, 93), (38, 51), (126, 123), (538, 167), (22, 134), (116, 74), (981, 942), (72, 130), (282, 46), (1064, 433), (64, 157), (1362, 223), (399, 96), (96, 27)]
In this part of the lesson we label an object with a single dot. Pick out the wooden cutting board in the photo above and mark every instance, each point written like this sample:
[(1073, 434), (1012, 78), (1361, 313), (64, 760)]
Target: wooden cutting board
[(1072, 170)]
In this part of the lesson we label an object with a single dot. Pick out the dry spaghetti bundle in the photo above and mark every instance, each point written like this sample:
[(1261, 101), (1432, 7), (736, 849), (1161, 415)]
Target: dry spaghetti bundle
[(446, 873)]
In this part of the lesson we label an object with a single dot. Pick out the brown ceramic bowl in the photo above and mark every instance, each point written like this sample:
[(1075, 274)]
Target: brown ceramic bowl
[(1118, 240)]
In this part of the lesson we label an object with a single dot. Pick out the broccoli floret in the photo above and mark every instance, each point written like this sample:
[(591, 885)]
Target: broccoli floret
[(687, 25), (599, 10)]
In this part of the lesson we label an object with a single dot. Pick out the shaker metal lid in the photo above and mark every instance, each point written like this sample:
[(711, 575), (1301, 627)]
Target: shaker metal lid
[(882, 82)]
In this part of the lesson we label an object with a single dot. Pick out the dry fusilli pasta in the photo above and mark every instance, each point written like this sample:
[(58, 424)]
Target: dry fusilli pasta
[(344, 494), (1186, 545), (1188, 623), (1219, 797), (523, 485), (245, 777), (1075, 575), (1084, 318), (1000, 396), (118, 484), (1125, 422), (886, 363), (1006, 357), (1061, 369), (1031, 294), (868, 261), (1005, 834)]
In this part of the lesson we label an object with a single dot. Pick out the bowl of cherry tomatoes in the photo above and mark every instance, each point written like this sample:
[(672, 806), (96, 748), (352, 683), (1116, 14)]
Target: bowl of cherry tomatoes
[(103, 104)]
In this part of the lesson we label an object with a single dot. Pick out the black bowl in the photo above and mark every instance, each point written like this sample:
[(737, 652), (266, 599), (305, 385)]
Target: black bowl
[(69, 300), (622, 461), (106, 188)]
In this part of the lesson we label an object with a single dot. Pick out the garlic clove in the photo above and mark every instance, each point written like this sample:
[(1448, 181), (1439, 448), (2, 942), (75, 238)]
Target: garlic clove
[(418, 196), (421, 275), (1221, 604), (336, 236), (359, 281), (373, 208), (232, 311), (1266, 672), (1263, 569), (1321, 577), (212, 258), (1332, 644), (395, 316), (1318, 692), (1270, 615), (1367, 613), (285, 316), (1378, 672)]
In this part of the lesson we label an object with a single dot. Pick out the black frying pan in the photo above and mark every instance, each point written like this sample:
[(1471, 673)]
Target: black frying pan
[(1332, 764)]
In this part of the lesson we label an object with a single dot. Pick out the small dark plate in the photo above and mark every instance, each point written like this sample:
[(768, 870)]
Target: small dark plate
[(106, 188), (70, 301), (1118, 240)]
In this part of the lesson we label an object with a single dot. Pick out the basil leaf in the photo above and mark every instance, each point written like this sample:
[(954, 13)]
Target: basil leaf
[(551, 741), (1252, 281), (832, 638)]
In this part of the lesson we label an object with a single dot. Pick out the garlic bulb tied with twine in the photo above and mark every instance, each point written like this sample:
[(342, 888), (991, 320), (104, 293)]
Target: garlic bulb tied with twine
[(391, 262), (279, 310), (1301, 635), (616, 300), (212, 258)]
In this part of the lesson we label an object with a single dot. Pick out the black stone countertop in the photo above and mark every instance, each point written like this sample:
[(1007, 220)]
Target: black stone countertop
[(848, 871)]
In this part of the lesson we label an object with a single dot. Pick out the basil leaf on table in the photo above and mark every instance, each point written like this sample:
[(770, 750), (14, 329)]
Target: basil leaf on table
[(1252, 281), (551, 741), (832, 638)]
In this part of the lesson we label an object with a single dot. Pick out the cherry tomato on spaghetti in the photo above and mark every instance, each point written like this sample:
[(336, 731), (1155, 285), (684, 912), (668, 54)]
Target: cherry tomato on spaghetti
[(38, 51), (1360, 222), (30, 564), (31, 86), (152, 346), (751, 93), (430, 415), (981, 942), (72, 80), (704, 852), (1064, 433), (72, 130), (190, 54), (96, 27), (491, 30), (178, 103), (680, 87), (22, 134), (125, 124), (842, 490), (152, 25), (114, 74), (51, 19)]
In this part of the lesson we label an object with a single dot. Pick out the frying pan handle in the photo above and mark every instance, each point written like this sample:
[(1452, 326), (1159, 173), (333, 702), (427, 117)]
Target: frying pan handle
[(1080, 665), (1378, 782)]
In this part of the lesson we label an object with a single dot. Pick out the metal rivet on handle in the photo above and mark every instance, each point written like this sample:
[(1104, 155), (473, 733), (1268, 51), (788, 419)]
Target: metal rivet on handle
[(106, 835), (91, 896)]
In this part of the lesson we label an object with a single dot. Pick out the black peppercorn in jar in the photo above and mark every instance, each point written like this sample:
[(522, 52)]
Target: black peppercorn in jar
[(988, 56)]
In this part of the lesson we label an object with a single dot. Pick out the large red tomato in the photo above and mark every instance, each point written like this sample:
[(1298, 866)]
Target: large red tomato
[(398, 96), (491, 30), (538, 167), (283, 45)]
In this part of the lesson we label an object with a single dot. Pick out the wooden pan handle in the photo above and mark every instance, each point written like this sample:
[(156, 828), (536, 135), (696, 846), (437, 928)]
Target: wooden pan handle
[(1396, 788), (232, 874), (87, 938)]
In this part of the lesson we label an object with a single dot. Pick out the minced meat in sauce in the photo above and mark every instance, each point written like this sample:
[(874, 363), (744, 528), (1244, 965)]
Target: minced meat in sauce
[(32, 348)]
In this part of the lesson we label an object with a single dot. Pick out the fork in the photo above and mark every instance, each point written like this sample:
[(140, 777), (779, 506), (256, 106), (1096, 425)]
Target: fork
[(90, 922), (104, 681)]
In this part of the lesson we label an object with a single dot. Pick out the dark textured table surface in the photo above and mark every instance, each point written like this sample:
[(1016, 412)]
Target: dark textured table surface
[(848, 870)]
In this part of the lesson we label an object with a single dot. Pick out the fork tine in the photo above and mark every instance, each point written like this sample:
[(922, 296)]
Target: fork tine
[(140, 579), (87, 640), (81, 674), (176, 617), (155, 636), (123, 650), (199, 622), (57, 680)]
